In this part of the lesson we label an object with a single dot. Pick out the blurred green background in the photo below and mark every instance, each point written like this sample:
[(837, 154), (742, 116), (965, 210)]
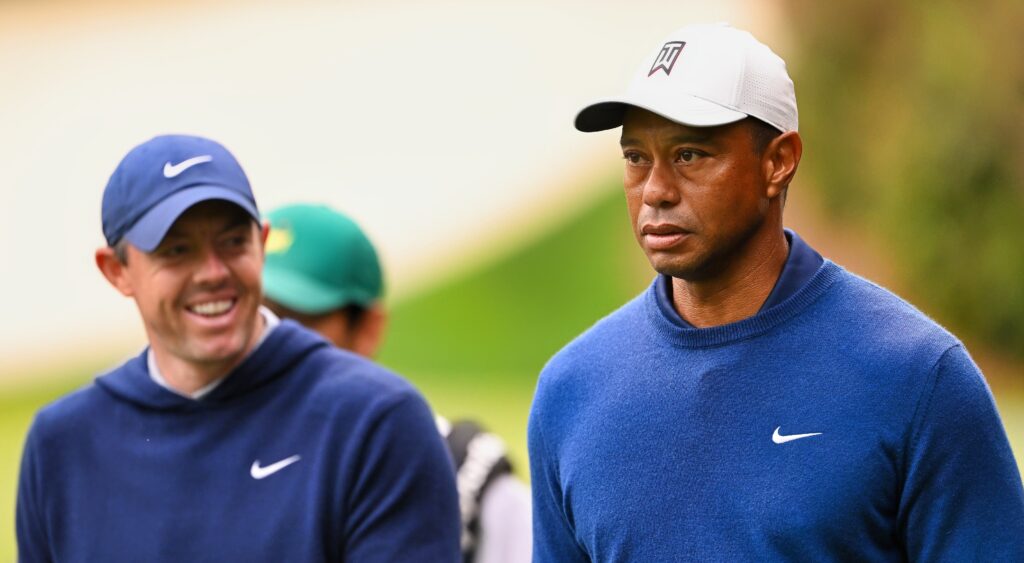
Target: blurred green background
[(913, 118), (913, 176)]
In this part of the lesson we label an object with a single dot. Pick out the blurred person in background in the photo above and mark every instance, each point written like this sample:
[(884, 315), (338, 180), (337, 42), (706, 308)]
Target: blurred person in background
[(322, 271), (757, 402), (234, 436)]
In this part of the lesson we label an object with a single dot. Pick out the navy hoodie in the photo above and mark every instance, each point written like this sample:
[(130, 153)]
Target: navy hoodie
[(303, 453)]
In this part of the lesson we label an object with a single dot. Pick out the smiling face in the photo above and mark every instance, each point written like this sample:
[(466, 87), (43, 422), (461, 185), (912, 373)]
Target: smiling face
[(199, 291), (697, 196)]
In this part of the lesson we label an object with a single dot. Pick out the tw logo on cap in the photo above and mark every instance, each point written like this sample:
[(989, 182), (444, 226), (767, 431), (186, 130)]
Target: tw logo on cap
[(666, 58)]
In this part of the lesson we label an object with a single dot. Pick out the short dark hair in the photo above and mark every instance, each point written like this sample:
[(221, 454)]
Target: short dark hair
[(121, 251), (354, 313), (761, 133)]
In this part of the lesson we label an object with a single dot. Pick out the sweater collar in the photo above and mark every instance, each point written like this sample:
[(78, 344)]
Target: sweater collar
[(802, 263), (809, 277), (270, 320), (282, 348)]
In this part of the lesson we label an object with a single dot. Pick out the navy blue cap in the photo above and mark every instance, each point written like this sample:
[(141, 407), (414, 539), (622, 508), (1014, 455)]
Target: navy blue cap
[(160, 179)]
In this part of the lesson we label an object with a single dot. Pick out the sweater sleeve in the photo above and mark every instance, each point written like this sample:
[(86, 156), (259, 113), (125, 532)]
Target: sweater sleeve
[(962, 498), (553, 538), (30, 524), (404, 506)]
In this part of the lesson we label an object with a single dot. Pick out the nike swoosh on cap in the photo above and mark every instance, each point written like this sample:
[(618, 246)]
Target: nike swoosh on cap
[(172, 170)]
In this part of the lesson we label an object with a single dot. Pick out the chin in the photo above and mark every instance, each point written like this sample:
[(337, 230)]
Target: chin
[(675, 266), (221, 350)]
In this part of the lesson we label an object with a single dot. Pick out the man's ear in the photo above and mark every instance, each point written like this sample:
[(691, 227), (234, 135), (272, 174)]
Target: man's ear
[(781, 159), (264, 233), (370, 331), (114, 270)]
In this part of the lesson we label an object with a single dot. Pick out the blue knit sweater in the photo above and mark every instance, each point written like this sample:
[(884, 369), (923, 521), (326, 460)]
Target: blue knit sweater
[(840, 424), (303, 453)]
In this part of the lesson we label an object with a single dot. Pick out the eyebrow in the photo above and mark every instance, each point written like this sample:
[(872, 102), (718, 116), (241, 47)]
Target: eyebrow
[(242, 221)]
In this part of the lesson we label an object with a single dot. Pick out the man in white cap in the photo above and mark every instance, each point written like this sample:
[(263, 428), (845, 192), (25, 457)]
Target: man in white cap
[(756, 402)]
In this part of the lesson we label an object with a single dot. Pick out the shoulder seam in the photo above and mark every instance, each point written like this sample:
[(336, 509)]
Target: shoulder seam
[(924, 402)]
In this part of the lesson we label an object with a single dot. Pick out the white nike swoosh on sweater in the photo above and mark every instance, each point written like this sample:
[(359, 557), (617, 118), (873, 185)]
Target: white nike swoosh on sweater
[(258, 472), (780, 439)]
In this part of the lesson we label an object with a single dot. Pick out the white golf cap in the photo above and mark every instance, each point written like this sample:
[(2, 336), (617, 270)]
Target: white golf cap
[(701, 76)]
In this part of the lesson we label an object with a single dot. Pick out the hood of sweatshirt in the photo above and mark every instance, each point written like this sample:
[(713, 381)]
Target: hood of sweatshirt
[(285, 346)]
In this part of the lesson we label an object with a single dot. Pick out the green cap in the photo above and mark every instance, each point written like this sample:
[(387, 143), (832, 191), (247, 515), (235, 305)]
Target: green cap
[(319, 260)]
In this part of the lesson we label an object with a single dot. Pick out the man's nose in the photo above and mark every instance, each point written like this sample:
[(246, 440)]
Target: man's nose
[(212, 269), (660, 189)]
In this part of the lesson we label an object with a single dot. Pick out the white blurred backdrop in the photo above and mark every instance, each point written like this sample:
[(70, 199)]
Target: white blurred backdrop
[(444, 127)]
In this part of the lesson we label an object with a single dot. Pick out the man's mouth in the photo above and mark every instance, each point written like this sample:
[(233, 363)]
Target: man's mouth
[(212, 308), (662, 236)]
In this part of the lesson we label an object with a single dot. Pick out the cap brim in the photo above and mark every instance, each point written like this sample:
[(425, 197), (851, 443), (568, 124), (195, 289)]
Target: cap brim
[(683, 109), (151, 228), (301, 294)]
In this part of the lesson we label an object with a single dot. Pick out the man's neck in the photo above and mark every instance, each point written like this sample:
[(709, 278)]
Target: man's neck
[(187, 377), (739, 291)]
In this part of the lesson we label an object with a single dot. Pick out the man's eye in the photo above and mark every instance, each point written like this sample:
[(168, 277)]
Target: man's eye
[(687, 155), (632, 157), (174, 250)]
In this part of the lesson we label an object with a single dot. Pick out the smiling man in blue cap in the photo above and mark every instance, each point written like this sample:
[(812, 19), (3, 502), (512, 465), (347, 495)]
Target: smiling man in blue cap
[(234, 436)]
